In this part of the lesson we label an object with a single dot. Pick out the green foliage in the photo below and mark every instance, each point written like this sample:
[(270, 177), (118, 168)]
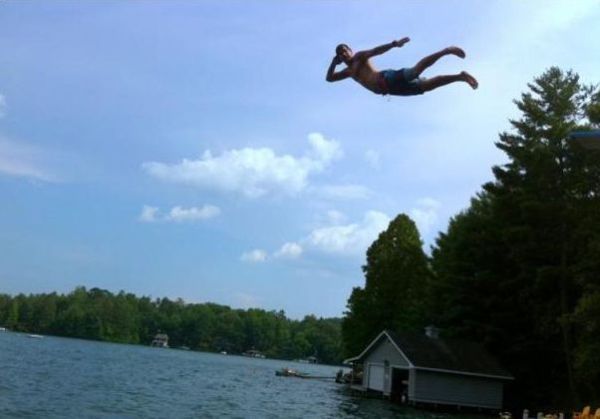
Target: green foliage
[(587, 355), (519, 269), (395, 293), (100, 315)]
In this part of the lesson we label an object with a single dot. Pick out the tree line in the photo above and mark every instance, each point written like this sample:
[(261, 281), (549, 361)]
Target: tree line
[(519, 269), (98, 314)]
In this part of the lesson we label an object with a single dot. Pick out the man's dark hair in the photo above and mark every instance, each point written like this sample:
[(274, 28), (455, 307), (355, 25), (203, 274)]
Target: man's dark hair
[(338, 49)]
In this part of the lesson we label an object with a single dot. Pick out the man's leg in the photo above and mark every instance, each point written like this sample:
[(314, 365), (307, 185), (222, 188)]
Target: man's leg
[(439, 81), (431, 59)]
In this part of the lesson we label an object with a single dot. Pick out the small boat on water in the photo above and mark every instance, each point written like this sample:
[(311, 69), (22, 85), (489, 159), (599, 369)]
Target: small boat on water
[(35, 336), (288, 372)]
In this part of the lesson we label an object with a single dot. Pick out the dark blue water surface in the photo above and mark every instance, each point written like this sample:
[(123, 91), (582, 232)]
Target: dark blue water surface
[(59, 377)]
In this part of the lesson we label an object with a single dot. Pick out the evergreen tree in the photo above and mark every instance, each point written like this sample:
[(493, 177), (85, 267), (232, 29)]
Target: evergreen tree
[(396, 279), (522, 251)]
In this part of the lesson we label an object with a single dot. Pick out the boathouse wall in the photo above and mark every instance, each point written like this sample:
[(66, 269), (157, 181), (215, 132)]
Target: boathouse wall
[(376, 368), (454, 389), (386, 351)]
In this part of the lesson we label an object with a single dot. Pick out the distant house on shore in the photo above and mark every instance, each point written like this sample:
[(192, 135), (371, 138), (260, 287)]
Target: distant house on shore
[(428, 369), (161, 340), (253, 353)]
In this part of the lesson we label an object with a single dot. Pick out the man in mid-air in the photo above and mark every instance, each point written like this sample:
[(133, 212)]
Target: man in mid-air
[(403, 82)]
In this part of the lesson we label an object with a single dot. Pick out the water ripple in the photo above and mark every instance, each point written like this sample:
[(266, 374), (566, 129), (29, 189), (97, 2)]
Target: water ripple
[(58, 377)]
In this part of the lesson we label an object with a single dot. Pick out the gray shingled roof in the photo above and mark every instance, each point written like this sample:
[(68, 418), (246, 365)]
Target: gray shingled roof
[(447, 354)]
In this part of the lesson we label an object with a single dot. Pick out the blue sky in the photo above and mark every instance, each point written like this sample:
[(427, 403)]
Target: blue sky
[(194, 149)]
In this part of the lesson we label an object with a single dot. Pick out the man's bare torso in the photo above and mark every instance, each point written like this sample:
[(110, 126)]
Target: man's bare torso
[(362, 71)]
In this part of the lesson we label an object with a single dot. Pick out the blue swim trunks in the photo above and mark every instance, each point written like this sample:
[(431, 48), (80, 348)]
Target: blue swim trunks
[(403, 82)]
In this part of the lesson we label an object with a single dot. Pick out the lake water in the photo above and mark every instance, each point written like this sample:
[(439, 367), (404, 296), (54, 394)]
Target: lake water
[(59, 377)]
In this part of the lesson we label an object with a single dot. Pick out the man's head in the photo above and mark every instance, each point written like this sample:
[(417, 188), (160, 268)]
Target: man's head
[(344, 52)]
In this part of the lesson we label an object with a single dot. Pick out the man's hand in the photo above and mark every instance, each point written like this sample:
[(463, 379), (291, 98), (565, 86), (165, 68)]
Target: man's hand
[(400, 42), (337, 60)]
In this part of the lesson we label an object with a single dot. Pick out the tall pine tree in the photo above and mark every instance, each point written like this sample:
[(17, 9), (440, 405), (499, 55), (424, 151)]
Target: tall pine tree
[(523, 249), (394, 297)]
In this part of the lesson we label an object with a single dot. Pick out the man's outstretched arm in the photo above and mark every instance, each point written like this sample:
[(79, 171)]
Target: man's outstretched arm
[(382, 48), (332, 75)]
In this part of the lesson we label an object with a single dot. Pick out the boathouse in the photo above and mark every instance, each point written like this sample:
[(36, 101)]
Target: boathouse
[(427, 369)]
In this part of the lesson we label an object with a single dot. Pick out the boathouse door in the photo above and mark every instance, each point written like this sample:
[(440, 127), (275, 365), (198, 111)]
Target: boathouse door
[(376, 376), (399, 392)]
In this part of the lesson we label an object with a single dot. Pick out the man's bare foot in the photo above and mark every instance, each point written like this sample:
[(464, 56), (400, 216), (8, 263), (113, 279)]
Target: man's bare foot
[(456, 51), (469, 79)]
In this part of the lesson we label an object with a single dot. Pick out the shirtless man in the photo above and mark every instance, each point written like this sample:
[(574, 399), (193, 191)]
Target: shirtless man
[(403, 82)]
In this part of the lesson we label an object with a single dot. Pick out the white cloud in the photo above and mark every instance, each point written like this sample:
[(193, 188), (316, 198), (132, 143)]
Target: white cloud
[(289, 250), (425, 215), (178, 214), (336, 217), (149, 214), (3, 105), (254, 256), (345, 238), (350, 239), (324, 150), (343, 191), (251, 171), (22, 160), (372, 157)]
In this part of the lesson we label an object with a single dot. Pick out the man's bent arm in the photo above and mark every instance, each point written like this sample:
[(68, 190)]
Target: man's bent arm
[(332, 75), (383, 48)]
